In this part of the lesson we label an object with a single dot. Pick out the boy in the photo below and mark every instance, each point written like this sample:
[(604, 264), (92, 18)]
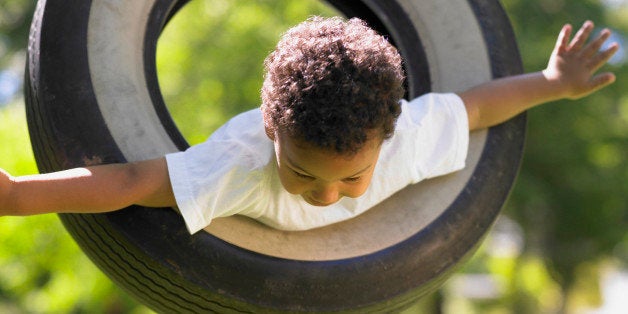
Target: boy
[(332, 138)]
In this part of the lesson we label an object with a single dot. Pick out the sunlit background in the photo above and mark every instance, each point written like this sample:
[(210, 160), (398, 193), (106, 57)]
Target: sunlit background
[(560, 245)]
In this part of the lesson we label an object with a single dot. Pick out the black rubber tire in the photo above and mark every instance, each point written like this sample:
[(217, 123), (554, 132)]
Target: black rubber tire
[(149, 253)]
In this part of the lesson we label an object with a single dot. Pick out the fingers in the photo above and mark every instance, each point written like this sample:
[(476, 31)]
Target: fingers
[(594, 46), (594, 84), (590, 51), (601, 58), (602, 80), (581, 36), (563, 38)]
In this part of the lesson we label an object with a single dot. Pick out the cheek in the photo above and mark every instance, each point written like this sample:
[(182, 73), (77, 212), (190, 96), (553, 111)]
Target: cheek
[(356, 190), (291, 184)]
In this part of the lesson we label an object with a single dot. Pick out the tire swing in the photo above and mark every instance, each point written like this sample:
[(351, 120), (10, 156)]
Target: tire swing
[(93, 97)]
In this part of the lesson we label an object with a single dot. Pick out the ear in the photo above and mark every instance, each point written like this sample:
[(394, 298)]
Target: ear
[(269, 132)]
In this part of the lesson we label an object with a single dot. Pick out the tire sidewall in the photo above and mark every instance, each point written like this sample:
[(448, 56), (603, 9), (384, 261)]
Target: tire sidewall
[(76, 118)]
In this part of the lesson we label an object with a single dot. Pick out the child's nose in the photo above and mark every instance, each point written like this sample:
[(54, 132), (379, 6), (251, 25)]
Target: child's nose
[(325, 194)]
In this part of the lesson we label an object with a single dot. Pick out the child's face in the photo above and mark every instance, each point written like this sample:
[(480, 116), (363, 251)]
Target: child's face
[(320, 177)]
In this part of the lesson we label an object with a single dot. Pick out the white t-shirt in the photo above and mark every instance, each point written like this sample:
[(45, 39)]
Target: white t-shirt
[(235, 171)]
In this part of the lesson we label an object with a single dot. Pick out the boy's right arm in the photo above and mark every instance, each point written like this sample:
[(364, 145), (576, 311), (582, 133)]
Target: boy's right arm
[(87, 190)]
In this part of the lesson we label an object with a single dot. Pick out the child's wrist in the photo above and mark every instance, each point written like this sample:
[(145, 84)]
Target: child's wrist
[(556, 88)]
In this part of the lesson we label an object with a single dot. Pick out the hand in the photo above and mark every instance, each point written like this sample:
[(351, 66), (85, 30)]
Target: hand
[(5, 184), (573, 64)]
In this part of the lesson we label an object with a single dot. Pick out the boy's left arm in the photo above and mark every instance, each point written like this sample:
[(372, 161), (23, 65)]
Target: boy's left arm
[(570, 74)]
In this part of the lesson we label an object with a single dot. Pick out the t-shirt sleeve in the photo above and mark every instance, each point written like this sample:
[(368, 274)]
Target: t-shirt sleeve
[(439, 134), (195, 217), (222, 176), (210, 180)]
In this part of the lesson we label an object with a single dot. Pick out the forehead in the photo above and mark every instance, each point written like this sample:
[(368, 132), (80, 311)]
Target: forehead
[(323, 163), (373, 136), (373, 142)]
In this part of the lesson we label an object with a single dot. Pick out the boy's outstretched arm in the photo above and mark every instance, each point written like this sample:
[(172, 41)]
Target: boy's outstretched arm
[(570, 73), (87, 190)]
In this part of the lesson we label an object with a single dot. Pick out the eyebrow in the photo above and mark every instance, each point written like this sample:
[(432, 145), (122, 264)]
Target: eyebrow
[(293, 165)]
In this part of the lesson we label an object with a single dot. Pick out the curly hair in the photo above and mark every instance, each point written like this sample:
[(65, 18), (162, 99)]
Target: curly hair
[(331, 83)]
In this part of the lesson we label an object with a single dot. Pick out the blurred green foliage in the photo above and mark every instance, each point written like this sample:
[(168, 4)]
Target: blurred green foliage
[(564, 224), (15, 16)]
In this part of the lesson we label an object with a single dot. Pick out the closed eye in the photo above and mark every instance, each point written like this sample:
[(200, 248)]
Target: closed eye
[(303, 176), (352, 179)]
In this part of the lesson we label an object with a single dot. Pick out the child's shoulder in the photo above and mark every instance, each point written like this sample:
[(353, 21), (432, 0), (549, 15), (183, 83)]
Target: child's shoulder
[(241, 143), (428, 107), (245, 125)]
